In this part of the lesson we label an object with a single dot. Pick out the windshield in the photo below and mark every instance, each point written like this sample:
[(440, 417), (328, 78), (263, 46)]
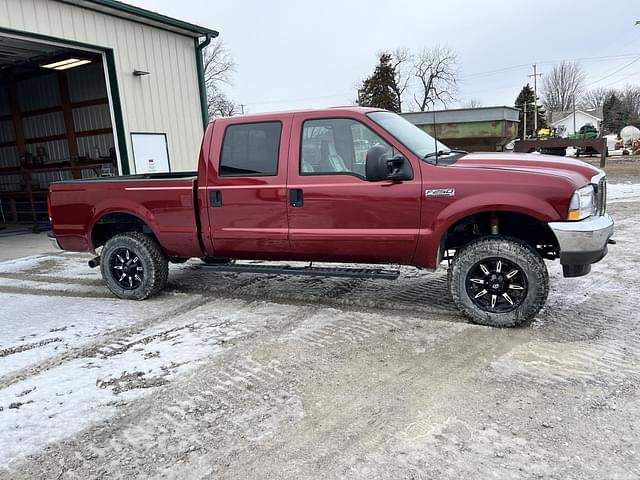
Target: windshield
[(412, 137)]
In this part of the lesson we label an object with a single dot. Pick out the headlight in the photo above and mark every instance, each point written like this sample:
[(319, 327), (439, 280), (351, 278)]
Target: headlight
[(582, 203)]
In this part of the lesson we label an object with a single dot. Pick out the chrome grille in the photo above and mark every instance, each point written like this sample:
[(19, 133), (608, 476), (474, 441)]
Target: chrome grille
[(601, 196)]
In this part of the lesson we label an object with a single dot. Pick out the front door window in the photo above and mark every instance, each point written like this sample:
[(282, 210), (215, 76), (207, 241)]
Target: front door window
[(337, 146)]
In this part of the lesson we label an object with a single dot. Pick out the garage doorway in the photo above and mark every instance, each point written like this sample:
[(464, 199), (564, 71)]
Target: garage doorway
[(56, 123)]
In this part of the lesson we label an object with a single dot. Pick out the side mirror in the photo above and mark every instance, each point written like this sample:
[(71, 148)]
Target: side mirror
[(378, 166)]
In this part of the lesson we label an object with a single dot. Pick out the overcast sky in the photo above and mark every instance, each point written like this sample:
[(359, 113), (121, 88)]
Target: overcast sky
[(296, 53)]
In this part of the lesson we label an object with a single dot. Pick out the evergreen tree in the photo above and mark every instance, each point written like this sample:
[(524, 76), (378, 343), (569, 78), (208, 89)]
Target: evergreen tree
[(379, 89), (616, 115), (526, 98)]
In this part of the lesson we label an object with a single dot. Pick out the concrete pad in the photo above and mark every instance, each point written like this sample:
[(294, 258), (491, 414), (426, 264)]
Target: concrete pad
[(23, 245)]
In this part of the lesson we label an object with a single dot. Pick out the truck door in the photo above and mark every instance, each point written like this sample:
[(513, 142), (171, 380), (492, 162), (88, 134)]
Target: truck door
[(335, 214), (246, 188)]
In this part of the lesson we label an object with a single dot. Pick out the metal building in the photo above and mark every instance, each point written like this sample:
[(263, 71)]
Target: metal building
[(92, 88), (482, 129)]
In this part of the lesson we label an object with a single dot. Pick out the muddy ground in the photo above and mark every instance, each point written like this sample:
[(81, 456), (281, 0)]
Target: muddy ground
[(247, 376)]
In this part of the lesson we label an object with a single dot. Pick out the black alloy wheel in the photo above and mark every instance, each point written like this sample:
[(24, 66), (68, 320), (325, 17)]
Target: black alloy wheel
[(496, 285), (126, 268)]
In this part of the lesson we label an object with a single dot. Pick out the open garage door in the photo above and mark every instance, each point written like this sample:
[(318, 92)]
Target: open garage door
[(55, 124)]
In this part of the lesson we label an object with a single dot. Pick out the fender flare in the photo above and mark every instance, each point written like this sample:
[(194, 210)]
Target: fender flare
[(124, 206), (521, 203)]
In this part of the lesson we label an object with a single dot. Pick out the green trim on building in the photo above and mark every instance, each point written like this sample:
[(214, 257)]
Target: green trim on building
[(151, 17), (202, 87), (113, 84), (48, 38), (117, 111)]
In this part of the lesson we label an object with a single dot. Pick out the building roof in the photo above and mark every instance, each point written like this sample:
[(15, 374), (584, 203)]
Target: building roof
[(141, 15), (596, 113), (464, 115)]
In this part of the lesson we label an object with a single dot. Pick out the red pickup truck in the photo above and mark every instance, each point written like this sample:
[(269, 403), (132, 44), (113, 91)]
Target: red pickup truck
[(349, 186)]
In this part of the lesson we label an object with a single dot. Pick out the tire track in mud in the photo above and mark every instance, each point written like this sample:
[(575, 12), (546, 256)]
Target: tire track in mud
[(354, 329), (44, 278), (53, 293), (595, 342), (215, 408)]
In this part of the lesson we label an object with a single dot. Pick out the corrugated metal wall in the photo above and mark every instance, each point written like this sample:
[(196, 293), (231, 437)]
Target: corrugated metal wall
[(38, 92), (165, 101), (34, 94)]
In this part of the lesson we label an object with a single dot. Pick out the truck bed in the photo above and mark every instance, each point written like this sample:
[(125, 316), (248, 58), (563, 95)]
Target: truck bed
[(166, 202)]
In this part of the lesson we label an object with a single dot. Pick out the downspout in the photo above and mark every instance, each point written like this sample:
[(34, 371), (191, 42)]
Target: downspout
[(201, 81)]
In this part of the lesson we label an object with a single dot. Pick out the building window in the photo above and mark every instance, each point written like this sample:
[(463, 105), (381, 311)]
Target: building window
[(251, 150)]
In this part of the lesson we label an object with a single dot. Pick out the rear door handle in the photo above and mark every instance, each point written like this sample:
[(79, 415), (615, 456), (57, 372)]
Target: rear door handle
[(216, 199), (296, 198)]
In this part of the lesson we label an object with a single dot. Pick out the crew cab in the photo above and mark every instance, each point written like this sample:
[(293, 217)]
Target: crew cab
[(347, 186)]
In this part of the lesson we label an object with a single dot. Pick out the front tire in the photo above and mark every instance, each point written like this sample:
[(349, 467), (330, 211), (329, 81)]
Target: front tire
[(498, 281), (133, 266)]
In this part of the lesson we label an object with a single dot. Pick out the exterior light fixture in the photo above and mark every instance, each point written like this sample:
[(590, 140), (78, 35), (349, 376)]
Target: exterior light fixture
[(139, 73), (66, 64)]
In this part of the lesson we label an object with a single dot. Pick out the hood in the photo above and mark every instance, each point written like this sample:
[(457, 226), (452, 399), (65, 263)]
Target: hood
[(576, 171)]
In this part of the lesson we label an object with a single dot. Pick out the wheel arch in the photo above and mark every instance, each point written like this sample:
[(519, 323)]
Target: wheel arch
[(521, 206), (511, 222), (112, 222)]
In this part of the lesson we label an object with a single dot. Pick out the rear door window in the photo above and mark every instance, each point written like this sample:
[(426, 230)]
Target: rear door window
[(250, 150)]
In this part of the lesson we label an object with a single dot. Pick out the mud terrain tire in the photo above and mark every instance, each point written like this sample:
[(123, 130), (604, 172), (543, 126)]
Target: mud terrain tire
[(475, 269), (148, 257)]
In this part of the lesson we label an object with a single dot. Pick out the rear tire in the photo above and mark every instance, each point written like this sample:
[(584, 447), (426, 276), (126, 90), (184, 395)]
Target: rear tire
[(487, 291), (133, 266)]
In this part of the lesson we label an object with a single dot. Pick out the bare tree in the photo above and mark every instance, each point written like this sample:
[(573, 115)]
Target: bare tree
[(435, 70), (219, 68), (630, 98), (562, 86), (220, 105), (401, 60), (472, 103), (595, 98)]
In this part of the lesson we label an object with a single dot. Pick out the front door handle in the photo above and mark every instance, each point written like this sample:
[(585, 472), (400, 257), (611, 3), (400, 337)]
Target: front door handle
[(296, 198), (216, 199)]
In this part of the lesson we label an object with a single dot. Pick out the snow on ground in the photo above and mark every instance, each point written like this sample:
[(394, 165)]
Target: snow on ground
[(65, 399), (623, 192), (22, 264), (61, 323)]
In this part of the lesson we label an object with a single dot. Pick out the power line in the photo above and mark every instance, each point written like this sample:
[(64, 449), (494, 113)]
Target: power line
[(614, 72), (547, 62), (476, 75)]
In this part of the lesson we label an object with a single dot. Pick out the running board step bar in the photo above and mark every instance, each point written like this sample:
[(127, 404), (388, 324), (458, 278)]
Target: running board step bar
[(308, 270)]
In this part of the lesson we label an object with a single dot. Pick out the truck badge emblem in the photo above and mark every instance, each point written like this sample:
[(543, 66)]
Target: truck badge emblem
[(440, 192)]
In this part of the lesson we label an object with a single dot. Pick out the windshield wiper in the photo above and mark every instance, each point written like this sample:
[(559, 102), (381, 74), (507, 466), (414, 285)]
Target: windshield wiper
[(442, 153)]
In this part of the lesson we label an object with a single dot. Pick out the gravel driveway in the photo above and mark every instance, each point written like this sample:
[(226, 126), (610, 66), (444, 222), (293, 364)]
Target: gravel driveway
[(246, 376)]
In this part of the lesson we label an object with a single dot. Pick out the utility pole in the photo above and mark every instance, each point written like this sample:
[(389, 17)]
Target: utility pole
[(524, 130), (574, 114), (242, 105), (535, 98)]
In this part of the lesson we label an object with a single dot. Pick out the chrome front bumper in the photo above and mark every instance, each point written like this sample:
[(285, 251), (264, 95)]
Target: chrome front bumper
[(584, 242)]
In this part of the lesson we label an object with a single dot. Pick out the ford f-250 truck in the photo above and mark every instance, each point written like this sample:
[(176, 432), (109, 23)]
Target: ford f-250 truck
[(352, 186)]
